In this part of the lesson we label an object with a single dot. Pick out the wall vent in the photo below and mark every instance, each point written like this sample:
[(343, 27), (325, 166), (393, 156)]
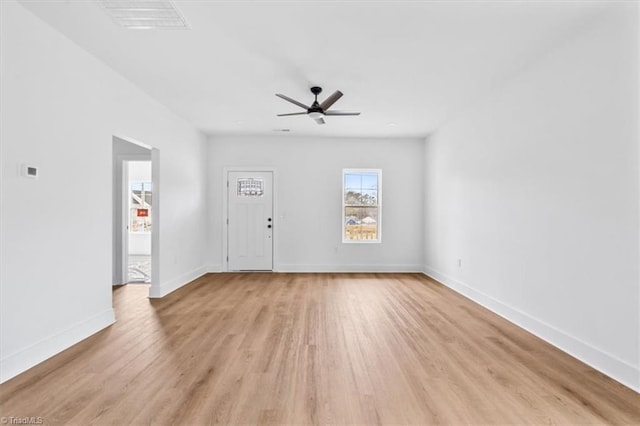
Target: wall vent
[(145, 14)]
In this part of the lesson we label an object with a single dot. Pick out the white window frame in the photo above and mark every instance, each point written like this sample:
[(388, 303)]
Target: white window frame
[(379, 224)]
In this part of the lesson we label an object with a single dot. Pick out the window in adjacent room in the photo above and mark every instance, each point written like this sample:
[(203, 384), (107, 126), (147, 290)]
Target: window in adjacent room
[(140, 207), (361, 205)]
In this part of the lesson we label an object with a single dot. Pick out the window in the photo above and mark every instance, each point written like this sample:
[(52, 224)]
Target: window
[(140, 207), (361, 205)]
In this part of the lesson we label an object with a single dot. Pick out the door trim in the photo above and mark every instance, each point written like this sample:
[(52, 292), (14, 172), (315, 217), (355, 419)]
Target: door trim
[(122, 192), (225, 210), (153, 156)]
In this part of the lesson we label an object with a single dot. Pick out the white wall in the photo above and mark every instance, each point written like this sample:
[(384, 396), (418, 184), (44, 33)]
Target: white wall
[(309, 174), (535, 189), (140, 243), (140, 171), (59, 109)]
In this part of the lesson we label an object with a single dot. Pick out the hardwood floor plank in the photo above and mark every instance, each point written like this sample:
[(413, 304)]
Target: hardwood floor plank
[(267, 348)]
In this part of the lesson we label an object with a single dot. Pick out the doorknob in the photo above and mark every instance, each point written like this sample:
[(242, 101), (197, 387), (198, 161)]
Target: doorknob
[(269, 219), (268, 226)]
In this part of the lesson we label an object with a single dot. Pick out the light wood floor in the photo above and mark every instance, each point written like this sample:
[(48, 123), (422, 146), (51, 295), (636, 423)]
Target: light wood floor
[(313, 348)]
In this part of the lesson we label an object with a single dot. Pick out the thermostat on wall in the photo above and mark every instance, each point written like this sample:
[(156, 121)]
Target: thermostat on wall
[(28, 171)]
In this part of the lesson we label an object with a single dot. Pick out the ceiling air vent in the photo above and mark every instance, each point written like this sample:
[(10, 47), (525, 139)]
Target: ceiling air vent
[(145, 14)]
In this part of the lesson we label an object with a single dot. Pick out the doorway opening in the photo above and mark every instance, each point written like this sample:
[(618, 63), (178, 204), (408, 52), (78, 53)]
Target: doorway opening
[(135, 214), (139, 202)]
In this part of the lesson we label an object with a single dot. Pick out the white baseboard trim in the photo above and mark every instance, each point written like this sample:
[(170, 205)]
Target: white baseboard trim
[(18, 362), (353, 268), (617, 369), (174, 284)]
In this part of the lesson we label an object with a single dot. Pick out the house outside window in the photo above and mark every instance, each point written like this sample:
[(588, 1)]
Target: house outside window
[(361, 205)]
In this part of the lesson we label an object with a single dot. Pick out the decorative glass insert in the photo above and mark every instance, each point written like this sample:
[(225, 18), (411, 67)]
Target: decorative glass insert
[(250, 187)]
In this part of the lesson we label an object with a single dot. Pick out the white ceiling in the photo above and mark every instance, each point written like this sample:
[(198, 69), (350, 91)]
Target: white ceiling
[(410, 63)]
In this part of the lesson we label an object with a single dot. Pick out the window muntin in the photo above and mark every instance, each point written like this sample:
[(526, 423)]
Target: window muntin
[(361, 205)]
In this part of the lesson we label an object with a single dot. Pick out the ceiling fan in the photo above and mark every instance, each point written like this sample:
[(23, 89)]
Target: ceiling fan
[(317, 111)]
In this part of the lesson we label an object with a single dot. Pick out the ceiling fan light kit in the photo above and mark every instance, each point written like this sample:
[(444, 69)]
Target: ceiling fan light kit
[(317, 111)]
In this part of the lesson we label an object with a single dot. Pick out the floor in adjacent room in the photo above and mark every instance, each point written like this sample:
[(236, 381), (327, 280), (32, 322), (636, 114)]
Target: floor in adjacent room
[(139, 269), (313, 348)]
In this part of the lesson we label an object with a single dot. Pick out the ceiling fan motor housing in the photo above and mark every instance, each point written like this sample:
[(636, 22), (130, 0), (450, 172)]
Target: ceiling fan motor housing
[(315, 107)]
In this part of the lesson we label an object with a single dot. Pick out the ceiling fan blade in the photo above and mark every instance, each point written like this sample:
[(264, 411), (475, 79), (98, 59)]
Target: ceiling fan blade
[(292, 113), (340, 113), (293, 101), (326, 104), (319, 120)]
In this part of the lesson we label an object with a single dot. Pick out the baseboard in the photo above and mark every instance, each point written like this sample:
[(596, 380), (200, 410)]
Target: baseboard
[(172, 285), (18, 362), (602, 361), (348, 268)]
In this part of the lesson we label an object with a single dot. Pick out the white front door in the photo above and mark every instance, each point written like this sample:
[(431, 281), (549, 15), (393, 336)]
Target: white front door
[(250, 221)]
